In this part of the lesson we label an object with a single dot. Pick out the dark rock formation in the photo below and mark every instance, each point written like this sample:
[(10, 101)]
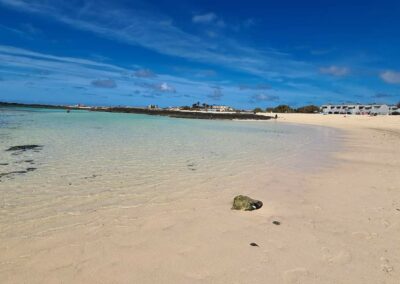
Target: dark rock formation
[(161, 112), (242, 202), (186, 114), (25, 148)]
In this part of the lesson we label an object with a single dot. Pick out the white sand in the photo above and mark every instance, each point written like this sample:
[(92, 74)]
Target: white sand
[(338, 225)]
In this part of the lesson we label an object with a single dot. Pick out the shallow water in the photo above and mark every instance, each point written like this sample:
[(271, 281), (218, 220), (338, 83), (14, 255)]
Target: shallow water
[(92, 160)]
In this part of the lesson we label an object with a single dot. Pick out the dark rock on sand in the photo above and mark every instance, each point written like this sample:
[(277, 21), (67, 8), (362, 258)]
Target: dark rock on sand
[(253, 244), (24, 148), (276, 223), (191, 166), (242, 202), (12, 173)]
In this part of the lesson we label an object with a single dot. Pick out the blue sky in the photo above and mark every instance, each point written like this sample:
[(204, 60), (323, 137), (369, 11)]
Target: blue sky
[(239, 53)]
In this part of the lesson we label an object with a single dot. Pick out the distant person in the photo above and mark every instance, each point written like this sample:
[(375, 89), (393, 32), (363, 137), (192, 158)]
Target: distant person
[(276, 116)]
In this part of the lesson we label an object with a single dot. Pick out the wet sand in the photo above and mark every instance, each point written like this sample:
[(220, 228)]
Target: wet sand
[(340, 224)]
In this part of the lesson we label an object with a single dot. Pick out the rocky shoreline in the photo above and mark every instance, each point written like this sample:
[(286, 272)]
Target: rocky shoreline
[(160, 112), (187, 114)]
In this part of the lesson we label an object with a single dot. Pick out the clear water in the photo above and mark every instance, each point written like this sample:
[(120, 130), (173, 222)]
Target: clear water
[(94, 160)]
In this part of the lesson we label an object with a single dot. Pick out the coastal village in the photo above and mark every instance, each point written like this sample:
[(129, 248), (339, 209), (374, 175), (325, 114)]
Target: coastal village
[(343, 109), (204, 110)]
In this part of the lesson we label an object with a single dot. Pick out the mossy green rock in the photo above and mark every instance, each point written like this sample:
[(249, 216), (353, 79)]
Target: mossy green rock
[(242, 202)]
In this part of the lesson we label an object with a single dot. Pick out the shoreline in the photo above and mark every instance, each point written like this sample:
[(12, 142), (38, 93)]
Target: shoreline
[(159, 112), (339, 224), (351, 211)]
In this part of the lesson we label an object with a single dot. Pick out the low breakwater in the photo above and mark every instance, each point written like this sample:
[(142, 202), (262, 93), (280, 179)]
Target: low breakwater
[(187, 114), (160, 112)]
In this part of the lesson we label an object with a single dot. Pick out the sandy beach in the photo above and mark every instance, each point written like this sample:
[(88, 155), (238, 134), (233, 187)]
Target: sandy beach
[(339, 224)]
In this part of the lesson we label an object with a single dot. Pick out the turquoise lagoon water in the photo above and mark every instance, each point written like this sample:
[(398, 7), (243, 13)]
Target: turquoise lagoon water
[(92, 160)]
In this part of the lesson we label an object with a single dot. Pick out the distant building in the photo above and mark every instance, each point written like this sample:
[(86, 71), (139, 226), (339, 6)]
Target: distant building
[(220, 108), (81, 106), (152, 107), (359, 109)]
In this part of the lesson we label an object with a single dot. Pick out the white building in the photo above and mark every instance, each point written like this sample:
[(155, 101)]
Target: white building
[(370, 109), (220, 108)]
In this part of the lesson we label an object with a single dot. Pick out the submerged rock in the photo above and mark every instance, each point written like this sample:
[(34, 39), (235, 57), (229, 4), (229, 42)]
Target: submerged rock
[(242, 202), (276, 223), (24, 147), (253, 244), (12, 173)]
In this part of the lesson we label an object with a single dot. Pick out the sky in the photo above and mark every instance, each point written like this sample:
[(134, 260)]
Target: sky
[(244, 54)]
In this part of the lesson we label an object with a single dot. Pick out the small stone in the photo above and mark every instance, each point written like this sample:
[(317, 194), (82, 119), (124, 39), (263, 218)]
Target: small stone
[(242, 202), (254, 245), (276, 223)]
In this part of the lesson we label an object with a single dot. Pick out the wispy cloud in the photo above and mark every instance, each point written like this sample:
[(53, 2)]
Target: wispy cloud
[(54, 74), (204, 18), (158, 33), (144, 73), (209, 19), (382, 95), (157, 87), (24, 30), (107, 83), (264, 98), (254, 87), (25, 70), (391, 77), (335, 70)]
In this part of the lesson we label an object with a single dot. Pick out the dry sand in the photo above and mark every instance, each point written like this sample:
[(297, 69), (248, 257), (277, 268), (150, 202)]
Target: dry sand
[(338, 225)]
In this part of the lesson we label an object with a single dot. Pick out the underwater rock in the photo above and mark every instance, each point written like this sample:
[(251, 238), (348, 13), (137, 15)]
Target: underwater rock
[(25, 148), (242, 202)]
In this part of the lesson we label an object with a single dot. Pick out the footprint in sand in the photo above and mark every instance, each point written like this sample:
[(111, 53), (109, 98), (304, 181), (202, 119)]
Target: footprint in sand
[(296, 275), (386, 267), (385, 223), (337, 257), (364, 235)]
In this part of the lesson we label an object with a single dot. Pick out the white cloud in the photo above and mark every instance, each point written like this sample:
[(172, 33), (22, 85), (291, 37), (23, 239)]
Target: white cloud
[(391, 77), (146, 29), (204, 18), (67, 78), (164, 87), (335, 70)]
